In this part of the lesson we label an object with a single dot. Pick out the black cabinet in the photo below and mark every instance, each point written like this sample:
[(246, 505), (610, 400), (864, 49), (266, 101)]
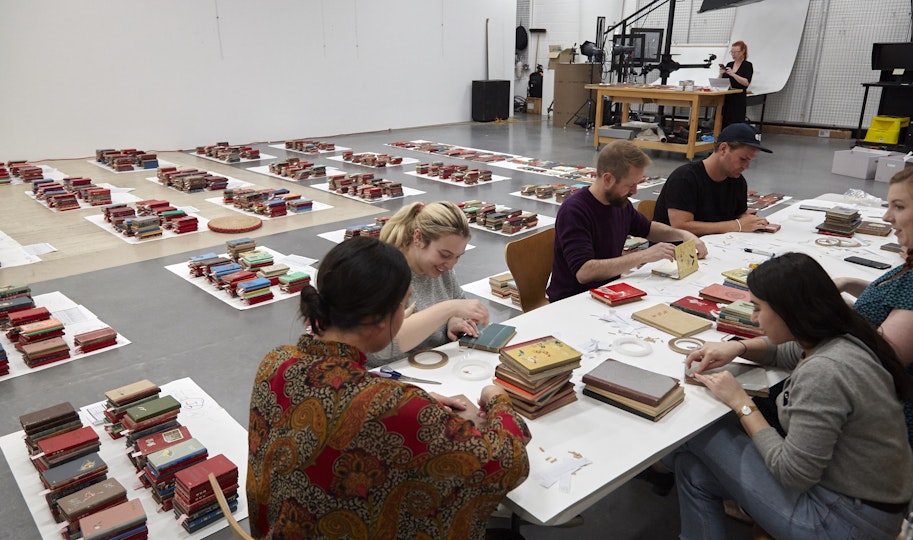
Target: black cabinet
[(490, 100)]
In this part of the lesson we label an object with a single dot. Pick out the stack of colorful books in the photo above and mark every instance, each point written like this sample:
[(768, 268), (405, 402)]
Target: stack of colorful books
[(85, 502), (120, 399), (840, 221), (161, 466), (14, 298), (735, 318), (64, 447), (216, 272), (4, 362), (617, 293), (238, 246), (140, 448), (195, 503), (143, 227), (98, 196), (125, 521), (229, 282), (150, 416), (500, 284), (183, 224), (25, 316), (300, 205), (42, 342), (294, 282), (63, 201), (198, 264), (94, 340), (273, 272), (254, 291), (72, 476), (537, 373), (723, 294), (630, 388), (737, 277), (254, 260)]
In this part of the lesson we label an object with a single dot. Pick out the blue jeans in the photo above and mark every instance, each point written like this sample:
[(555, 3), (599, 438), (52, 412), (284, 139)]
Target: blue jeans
[(723, 463)]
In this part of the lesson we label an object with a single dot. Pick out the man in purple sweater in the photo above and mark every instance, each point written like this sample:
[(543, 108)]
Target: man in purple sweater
[(593, 223)]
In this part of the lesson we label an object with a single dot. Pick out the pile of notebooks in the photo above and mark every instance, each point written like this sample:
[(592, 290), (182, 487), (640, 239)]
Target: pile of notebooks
[(26, 316), (737, 277), (4, 362), (300, 205), (294, 282), (71, 477), (273, 272), (120, 399), (735, 318), (840, 221), (617, 293), (199, 265), (183, 224), (255, 259), (537, 375), (500, 284), (254, 291), (48, 422), (149, 417), (229, 282), (161, 466), (94, 340), (142, 227), (723, 294), (125, 521), (63, 201), (215, 273), (14, 298), (85, 502), (195, 504), (41, 342), (98, 196), (644, 393), (237, 246), (63, 447)]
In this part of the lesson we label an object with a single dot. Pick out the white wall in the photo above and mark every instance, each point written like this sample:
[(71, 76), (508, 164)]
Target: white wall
[(174, 74)]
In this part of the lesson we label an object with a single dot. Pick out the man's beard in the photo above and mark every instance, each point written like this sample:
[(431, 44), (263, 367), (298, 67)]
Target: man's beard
[(619, 202)]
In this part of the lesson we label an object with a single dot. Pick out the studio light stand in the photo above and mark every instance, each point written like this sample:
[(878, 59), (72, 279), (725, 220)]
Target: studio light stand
[(595, 57)]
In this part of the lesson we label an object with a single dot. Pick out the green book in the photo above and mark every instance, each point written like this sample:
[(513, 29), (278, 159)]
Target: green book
[(491, 338), (153, 408)]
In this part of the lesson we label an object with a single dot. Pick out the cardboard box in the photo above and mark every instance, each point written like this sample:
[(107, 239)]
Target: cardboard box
[(557, 55), (533, 105), (888, 166), (859, 162)]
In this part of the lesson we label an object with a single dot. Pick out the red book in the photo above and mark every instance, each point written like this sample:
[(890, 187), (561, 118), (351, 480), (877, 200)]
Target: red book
[(698, 306), (723, 294), (194, 480), (617, 293), (67, 441)]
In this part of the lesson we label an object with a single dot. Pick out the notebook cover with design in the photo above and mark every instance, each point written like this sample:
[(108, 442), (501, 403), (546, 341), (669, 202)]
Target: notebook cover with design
[(540, 354), (685, 262), (491, 338), (672, 321), (617, 293)]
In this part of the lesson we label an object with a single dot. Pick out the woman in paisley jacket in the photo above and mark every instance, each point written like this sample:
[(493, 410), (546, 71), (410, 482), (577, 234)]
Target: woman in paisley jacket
[(337, 452)]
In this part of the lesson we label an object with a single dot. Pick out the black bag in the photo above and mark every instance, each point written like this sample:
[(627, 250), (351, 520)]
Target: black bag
[(535, 84), (522, 38)]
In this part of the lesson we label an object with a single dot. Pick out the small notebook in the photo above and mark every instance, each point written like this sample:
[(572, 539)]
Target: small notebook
[(685, 262)]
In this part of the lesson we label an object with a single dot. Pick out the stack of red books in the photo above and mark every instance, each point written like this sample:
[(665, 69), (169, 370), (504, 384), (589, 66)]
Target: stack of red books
[(294, 282), (95, 339), (98, 196), (195, 504), (161, 467), (65, 447), (25, 316), (184, 224), (48, 422)]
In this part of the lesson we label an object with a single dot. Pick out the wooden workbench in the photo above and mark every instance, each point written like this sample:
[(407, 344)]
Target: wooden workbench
[(670, 97)]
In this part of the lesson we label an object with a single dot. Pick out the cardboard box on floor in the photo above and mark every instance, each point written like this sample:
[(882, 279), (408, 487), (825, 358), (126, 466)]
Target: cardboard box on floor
[(858, 162), (890, 165)]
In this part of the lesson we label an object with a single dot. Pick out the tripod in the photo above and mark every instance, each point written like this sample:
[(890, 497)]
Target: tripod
[(589, 105)]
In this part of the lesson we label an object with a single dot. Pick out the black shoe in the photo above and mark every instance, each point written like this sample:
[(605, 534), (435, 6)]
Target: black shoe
[(661, 483)]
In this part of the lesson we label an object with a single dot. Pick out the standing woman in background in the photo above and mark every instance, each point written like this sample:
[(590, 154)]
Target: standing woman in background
[(739, 73), (433, 237)]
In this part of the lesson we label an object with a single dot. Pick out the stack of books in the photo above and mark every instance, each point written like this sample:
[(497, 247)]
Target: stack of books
[(199, 264), (98, 196), (72, 476), (536, 375), (672, 321), (737, 278), (254, 291), (215, 273), (142, 228), (138, 451), (256, 259), (125, 521), (735, 318), (14, 298), (37, 331), (120, 399), (238, 246), (4, 362), (161, 466), (42, 342), (64, 447), (48, 422), (273, 272), (229, 282), (723, 294), (294, 282), (94, 340), (87, 501), (63, 201), (150, 416), (617, 293), (630, 388), (299, 205), (195, 503), (840, 221), (500, 284), (17, 319)]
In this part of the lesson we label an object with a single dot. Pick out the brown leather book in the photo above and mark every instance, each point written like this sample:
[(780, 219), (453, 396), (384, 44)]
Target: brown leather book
[(107, 523), (48, 417), (630, 381), (132, 392), (89, 500)]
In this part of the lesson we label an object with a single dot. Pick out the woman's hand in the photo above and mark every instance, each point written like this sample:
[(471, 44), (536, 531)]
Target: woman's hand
[(449, 403), (457, 327), (488, 392), (713, 355), (724, 386)]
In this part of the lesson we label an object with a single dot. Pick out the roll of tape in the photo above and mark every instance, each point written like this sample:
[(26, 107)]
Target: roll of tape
[(685, 345), (424, 365), (800, 217), (632, 346)]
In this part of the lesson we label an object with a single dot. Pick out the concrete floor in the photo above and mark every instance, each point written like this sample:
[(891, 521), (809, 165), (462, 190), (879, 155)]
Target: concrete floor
[(178, 332)]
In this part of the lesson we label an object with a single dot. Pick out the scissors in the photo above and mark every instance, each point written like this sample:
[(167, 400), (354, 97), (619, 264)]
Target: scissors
[(391, 373)]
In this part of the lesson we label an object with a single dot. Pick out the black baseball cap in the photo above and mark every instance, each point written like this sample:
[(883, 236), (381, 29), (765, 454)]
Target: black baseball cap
[(742, 134)]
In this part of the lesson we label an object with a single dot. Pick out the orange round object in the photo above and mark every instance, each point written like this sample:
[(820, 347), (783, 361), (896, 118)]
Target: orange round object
[(235, 224)]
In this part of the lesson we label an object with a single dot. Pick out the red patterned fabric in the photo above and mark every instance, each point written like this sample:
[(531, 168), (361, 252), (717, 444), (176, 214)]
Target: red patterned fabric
[(336, 452)]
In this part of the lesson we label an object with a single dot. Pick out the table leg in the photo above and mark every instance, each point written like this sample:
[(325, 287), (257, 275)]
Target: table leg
[(717, 116), (598, 122), (692, 127)]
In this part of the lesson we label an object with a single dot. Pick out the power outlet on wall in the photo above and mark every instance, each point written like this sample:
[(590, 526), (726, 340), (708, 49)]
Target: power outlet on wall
[(824, 133)]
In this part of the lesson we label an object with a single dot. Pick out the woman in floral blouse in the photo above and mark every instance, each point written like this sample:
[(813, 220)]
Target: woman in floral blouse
[(337, 452)]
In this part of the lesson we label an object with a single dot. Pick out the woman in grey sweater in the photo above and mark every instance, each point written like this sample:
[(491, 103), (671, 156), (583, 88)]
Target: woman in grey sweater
[(844, 468), (433, 237)]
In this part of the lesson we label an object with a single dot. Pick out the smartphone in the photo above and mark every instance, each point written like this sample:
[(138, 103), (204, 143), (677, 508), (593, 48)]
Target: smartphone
[(868, 262), (722, 66)]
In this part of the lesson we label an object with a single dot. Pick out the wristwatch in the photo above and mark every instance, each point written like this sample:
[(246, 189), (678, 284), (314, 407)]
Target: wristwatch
[(745, 410)]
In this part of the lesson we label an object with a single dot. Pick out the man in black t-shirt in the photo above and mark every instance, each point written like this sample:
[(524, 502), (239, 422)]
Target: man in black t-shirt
[(711, 196)]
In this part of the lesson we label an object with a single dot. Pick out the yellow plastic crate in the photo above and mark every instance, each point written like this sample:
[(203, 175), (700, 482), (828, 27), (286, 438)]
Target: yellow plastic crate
[(886, 129)]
